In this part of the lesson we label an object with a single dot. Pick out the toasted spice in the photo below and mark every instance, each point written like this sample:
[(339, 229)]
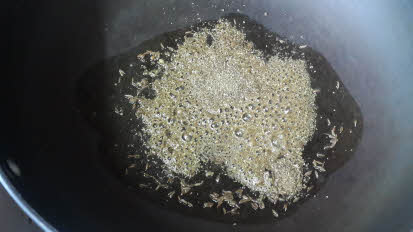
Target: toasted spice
[(222, 102)]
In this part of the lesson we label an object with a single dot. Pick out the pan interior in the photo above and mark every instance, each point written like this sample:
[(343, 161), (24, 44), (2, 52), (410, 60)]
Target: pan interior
[(101, 98)]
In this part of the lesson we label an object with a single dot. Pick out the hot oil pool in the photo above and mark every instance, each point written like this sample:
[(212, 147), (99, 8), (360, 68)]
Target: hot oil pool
[(223, 120)]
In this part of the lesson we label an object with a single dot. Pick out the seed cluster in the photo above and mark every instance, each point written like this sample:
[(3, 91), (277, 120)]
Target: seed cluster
[(218, 100)]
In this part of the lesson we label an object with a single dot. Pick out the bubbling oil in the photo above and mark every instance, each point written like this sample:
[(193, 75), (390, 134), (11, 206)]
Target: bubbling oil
[(218, 100)]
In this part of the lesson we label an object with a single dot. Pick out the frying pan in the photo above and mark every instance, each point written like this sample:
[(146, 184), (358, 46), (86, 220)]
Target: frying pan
[(49, 151)]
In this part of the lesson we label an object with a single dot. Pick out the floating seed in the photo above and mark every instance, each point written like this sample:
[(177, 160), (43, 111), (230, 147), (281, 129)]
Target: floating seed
[(134, 156), (275, 213), (208, 204), (319, 155), (198, 184), (184, 202), (214, 196), (254, 205), (308, 173), (245, 199), (220, 201), (144, 186), (224, 211), (209, 174), (319, 168), (132, 166), (333, 139), (171, 194), (234, 211), (285, 207)]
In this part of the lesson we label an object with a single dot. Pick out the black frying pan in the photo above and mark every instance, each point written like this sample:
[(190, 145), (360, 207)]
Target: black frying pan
[(64, 186), (101, 100)]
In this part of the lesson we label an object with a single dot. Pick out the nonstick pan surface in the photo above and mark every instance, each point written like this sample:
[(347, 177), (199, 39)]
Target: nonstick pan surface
[(63, 185)]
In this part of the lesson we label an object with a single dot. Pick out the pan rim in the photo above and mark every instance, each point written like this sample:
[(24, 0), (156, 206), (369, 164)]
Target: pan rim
[(23, 204)]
